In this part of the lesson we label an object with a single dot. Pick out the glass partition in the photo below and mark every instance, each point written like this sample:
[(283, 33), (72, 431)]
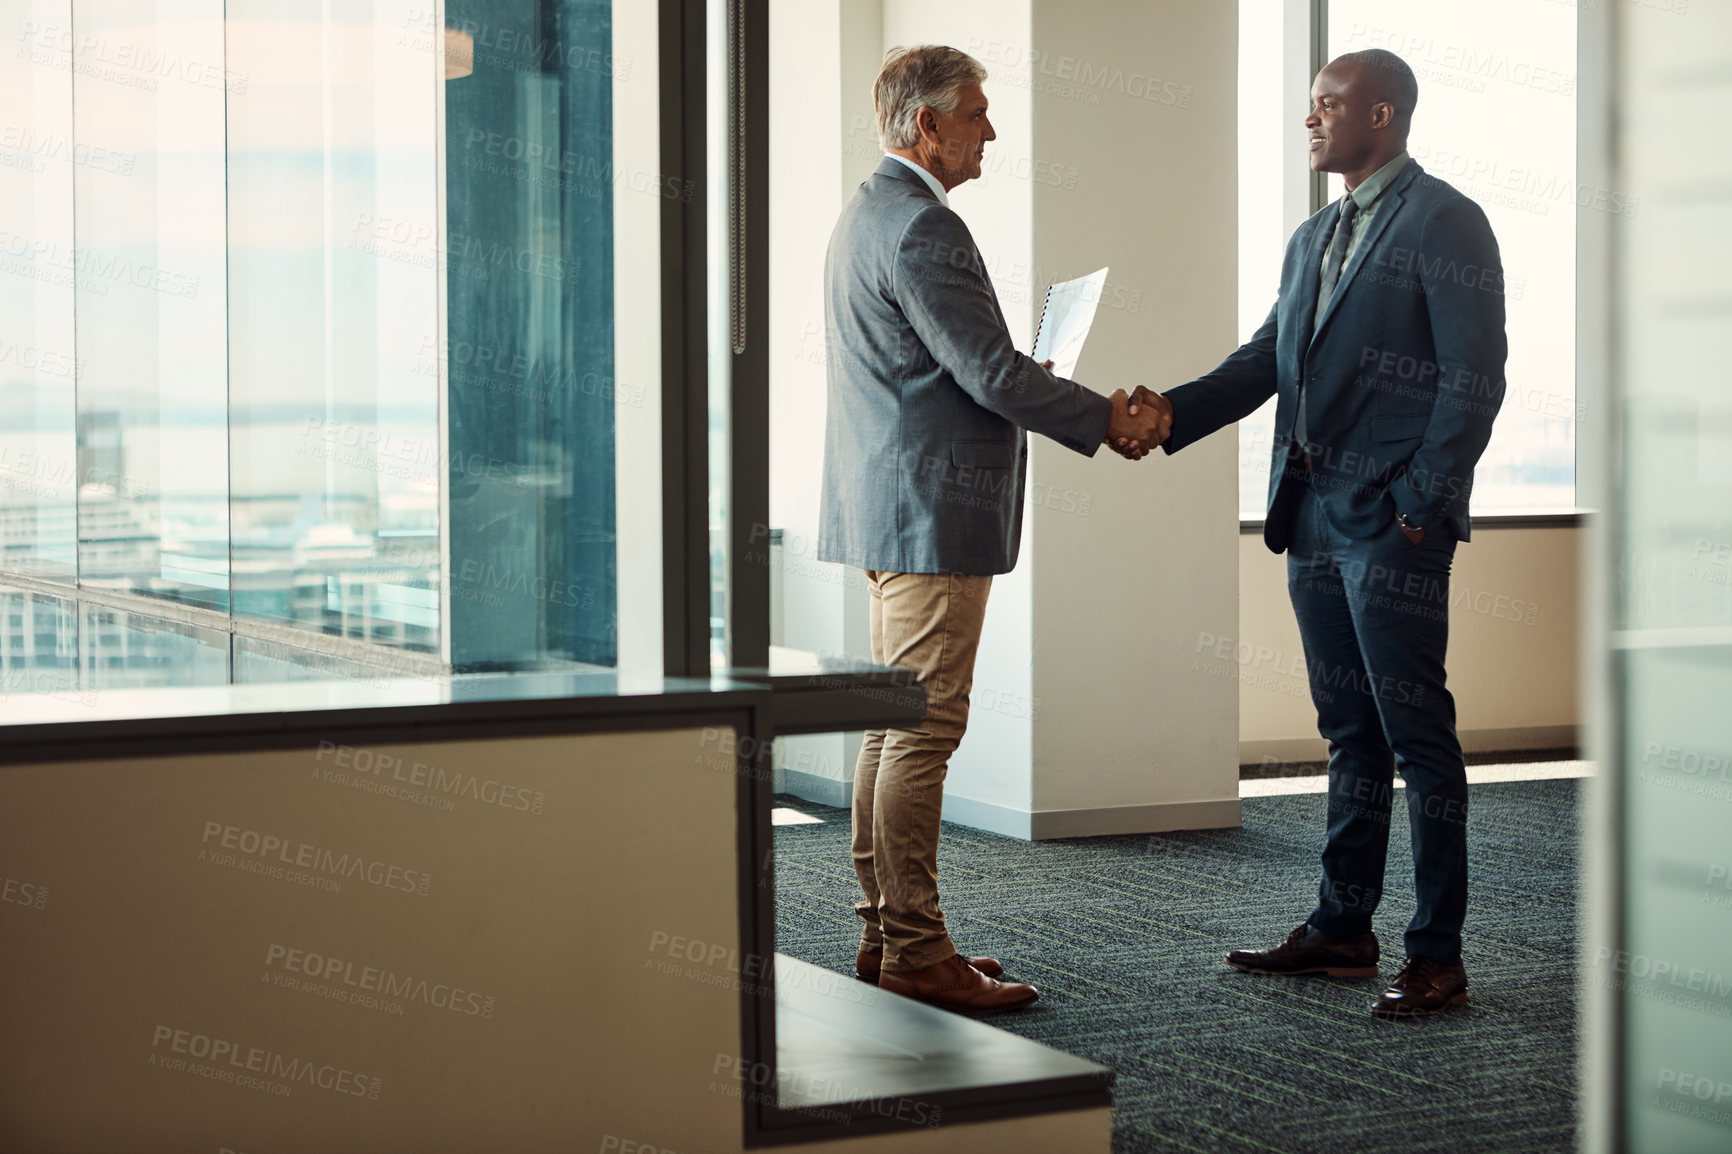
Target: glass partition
[(307, 324), (1671, 468), (38, 362), (60, 647), (38, 643), (530, 187), (333, 318), (148, 272), (120, 650)]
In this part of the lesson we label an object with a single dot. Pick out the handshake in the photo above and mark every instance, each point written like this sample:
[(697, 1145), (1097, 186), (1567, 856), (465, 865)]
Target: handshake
[(1140, 422)]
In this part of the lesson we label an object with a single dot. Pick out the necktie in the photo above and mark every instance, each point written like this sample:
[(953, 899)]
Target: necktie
[(1334, 258)]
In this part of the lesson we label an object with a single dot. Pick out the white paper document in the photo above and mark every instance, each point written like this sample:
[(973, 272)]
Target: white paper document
[(1065, 321)]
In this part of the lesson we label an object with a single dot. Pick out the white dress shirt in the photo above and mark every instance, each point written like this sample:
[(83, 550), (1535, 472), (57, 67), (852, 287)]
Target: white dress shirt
[(931, 181)]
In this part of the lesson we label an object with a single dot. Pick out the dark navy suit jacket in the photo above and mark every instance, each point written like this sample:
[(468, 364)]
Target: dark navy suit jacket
[(1404, 372)]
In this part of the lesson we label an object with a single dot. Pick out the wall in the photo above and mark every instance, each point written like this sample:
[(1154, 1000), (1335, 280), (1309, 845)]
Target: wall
[(1513, 648)]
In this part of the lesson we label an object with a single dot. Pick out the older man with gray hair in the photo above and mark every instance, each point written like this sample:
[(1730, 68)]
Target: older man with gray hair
[(925, 458)]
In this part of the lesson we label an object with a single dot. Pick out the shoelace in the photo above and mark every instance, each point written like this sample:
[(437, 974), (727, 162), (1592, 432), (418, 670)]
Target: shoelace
[(1419, 968)]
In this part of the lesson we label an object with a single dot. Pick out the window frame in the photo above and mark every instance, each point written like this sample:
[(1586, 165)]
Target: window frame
[(685, 337), (1569, 518)]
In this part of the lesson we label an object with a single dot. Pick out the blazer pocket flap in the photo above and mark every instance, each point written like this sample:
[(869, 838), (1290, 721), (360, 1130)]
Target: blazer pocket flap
[(1408, 428), (981, 454)]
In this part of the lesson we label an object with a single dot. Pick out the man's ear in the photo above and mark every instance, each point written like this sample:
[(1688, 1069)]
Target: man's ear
[(1382, 114), (926, 123)]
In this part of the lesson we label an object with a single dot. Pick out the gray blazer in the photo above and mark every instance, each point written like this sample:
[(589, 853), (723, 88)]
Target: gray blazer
[(924, 451)]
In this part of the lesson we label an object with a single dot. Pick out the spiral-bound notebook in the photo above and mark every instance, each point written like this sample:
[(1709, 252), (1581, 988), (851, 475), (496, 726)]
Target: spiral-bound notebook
[(1065, 320)]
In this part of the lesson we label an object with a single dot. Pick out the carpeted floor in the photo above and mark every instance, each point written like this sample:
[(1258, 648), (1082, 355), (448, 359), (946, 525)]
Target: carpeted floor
[(1125, 936)]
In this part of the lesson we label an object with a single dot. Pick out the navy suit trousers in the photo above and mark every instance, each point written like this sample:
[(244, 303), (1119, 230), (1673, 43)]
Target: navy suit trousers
[(1374, 617)]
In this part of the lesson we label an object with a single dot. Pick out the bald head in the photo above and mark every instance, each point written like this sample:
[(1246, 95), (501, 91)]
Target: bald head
[(1361, 109), (1384, 77)]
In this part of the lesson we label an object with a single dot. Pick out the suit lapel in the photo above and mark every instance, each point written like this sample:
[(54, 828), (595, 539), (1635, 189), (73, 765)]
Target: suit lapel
[(1392, 201), (1310, 279), (896, 170)]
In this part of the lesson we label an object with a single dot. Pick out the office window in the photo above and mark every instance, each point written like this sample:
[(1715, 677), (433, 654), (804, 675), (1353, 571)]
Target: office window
[(1268, 208), (1496, 119), (148, 269), (307, 324), (38, 440), (333, 311), (721, 334), (119, 650), (39, 646), (530, 194)]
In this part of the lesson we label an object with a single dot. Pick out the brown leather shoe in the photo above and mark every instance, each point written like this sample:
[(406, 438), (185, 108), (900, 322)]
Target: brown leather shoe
[(870, 962), (1424, 986), (953, 984), (1309, 951)]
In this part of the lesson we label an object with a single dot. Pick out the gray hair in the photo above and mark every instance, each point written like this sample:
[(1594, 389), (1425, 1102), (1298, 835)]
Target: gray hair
[(925, 76)]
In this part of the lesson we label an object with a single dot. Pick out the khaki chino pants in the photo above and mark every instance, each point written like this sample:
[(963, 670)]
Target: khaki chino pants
[(929, 623)]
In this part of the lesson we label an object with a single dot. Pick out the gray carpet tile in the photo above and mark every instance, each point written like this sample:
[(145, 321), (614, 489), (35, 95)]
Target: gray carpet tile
[(1125, 937)]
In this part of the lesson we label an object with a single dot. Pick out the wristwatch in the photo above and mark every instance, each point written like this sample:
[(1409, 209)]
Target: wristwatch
[(1401, 519)]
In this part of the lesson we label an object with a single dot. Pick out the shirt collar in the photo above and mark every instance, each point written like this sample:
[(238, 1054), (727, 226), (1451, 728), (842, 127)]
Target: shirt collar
[(1374, 185), (932, 181)]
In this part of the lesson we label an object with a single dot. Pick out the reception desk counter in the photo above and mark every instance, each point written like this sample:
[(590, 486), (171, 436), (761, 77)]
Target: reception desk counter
[(524, 912)]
